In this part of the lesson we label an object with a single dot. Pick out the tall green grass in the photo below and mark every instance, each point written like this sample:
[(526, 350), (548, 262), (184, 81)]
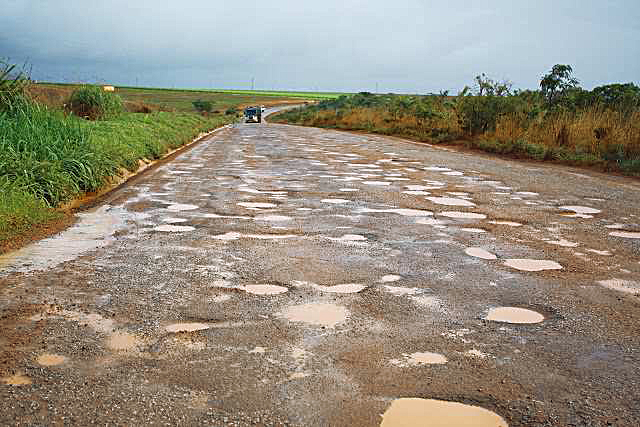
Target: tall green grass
[(47, 157)]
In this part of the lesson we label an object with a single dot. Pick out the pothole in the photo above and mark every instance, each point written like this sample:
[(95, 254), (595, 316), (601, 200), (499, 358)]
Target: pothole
[(317, 314), (626, 234), (335, 201), (564, 243), (473, 230), (273, 218), (584, 210), (417, 359), (509, 223), (122, 341), (169, 228), (532, 264), (463, 215), (186, 327), (17, 380), (621, 285), (49, 359), (480, 253), (401, 291), (174, 220), (349, 238), (256, 205), (347, 288), (265, 289), (177, 207), (407, 412), (514, 315), (450, 201)]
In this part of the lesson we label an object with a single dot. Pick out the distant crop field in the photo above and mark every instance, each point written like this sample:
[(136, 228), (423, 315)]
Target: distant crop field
[(56, 94)]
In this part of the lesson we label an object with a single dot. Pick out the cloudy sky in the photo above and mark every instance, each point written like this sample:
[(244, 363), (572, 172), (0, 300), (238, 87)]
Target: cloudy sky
[(411, 46)]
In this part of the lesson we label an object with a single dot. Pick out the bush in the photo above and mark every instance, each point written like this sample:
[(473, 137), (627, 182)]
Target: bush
[(480, 114), (93, 103), (203, 106), (231, 111)]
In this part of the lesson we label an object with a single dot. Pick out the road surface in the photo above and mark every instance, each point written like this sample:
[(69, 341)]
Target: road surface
[(279, 275)]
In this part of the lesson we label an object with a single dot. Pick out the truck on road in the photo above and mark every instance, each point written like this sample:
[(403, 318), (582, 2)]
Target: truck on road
[(253, 115)]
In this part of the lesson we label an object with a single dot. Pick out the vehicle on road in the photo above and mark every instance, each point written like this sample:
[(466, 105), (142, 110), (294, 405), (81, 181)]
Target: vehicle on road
[(253, 115)]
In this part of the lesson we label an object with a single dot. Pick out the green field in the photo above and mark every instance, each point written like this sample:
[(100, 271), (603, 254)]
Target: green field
[(56, 94)]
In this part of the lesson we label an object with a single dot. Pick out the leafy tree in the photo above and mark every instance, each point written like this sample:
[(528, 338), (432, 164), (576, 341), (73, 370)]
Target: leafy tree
[(557, 82), (486, 86)]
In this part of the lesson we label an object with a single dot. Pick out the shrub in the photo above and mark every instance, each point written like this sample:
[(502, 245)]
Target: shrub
[(203, 106), (231, 111), (93, 103)]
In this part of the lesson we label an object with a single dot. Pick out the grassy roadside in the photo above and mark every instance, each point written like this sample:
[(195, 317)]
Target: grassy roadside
[(596, 135), (47, 158)]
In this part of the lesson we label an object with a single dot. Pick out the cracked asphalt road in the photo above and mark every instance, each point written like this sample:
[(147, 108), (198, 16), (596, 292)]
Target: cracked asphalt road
[(279, 275)]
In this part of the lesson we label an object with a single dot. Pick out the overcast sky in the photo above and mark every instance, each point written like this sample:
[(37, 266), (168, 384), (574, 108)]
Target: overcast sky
[(410, 46)]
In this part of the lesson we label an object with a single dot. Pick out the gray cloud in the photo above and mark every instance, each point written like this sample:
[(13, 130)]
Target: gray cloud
[(349, 45)]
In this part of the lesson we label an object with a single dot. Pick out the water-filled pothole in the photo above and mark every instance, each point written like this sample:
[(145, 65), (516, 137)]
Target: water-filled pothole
[(169, 228), (122, 341), (48, 359), (17, 379), (480, 253), (450, 201), (417, 359), (514, 315), (177, 207), (347, 288), (408, 412), (265, 289), (318, 314), (621, 285), (187, 327), (462, 215), (257, 205), (532, 264), (626, 234)]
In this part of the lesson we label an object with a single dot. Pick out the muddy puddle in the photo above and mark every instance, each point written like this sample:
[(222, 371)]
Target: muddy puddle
[(480, 253), (49, 359), (93, 230), (170, 228), (401, 291), (265, 289), (450, 201), (186, 327), (16, 380), (316, 314), (627, 286), (413, 412), (626, 234), (122, 341), (532, 264), (347, 288), (179, 207), (417, 359), (257, 205), (462, 215), (514, 315)]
